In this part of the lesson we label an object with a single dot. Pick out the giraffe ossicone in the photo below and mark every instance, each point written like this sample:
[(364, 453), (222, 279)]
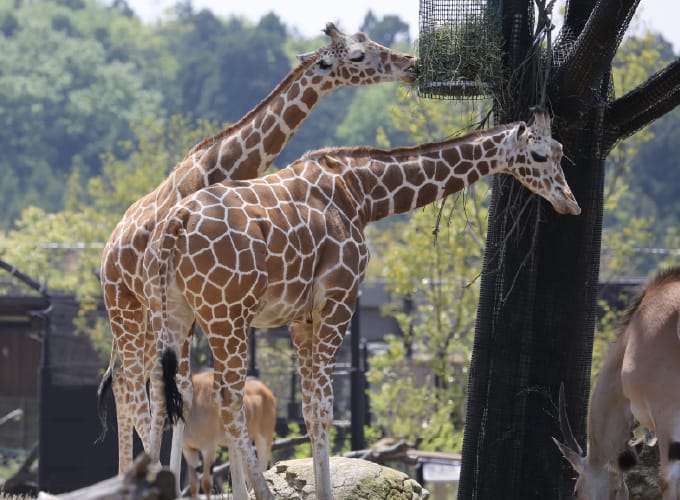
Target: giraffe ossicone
[(242, 151), (289, 248)]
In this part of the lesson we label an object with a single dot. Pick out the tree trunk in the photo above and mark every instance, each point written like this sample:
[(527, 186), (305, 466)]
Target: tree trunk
[(536, 315)]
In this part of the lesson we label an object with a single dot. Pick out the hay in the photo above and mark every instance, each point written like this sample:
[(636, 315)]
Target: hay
[(461, 58)]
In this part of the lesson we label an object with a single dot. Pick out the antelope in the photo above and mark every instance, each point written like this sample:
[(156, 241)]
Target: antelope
[(204, 432), (639, 383)]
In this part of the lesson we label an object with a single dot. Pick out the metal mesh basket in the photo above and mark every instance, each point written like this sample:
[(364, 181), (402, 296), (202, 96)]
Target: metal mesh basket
[(459, 47)]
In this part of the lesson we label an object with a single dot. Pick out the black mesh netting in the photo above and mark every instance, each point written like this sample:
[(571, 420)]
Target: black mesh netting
[(459, 47)]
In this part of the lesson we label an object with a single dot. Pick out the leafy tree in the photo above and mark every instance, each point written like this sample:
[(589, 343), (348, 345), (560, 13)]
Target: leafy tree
[(64, 99), (227, 66), (537, 307)]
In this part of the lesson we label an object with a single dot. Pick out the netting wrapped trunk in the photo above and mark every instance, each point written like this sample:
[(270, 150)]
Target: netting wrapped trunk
[(460, 48)]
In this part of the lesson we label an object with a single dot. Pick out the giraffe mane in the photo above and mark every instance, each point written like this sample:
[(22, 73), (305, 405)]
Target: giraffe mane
[(372, 151), (209, 141)]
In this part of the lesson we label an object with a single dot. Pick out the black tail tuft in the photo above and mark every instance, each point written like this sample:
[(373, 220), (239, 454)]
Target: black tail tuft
[(102, 406), (174, 405)]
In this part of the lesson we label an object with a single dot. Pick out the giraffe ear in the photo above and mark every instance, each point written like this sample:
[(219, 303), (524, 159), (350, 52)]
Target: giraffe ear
[(306, 56)]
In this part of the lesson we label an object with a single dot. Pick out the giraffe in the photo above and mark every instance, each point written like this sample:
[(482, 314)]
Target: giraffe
[(289, 248), (242, 151)]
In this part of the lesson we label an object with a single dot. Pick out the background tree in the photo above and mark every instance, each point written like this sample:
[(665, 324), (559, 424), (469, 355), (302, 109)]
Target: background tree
[(536, 317)]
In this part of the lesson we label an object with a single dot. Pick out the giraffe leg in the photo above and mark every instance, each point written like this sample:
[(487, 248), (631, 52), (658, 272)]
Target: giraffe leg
[(129, 387), (317, 348), (230, 355), (186, 390)]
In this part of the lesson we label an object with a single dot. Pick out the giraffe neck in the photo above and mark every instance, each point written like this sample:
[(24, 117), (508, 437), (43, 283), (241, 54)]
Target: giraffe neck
[(247, 148), (399, 180)]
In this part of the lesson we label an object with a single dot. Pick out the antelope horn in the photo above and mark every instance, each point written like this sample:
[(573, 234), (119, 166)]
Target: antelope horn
[(565, 427)]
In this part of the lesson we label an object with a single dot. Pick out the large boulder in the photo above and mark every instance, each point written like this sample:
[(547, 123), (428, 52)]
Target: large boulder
[(351, 479)]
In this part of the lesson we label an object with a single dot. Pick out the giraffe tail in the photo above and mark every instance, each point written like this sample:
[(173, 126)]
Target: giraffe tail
[(174, 404), (104, 387), (160, 268)]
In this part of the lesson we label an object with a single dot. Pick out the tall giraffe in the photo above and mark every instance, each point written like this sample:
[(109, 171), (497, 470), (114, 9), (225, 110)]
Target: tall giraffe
[(289, 248), (242, 151)]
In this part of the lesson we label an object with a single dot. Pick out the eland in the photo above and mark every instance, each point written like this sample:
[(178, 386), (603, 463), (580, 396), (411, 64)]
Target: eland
[(638, 384)]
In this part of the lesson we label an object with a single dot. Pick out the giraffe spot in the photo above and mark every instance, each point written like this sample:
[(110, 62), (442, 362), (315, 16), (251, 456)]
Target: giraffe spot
[(379, 192), (393, 179), (293, 116), (229, 157), (310, 97), (277, 240), (253, 161), (210, 156), (483, 167), (273, 141), (355, 80), (462, 168), (429, 168), (491, 152), (403, 200), (467, 151), (211, 293), (477, 152), (197, 243), (488, 144), (219, 275), (451, 156), (294, 91), (472, 177), (427, 194), (267, 123), (252, 139), (221, 311)]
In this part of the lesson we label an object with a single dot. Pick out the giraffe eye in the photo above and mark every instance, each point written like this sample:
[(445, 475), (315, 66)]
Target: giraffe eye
[(538, 158), (358, 58), (324, 65)]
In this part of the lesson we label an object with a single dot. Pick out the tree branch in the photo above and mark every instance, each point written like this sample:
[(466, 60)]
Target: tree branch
[(647, 102), (644, 117), (594, 49)]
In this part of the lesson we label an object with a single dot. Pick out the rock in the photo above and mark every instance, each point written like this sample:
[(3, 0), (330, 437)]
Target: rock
[(351, 479)]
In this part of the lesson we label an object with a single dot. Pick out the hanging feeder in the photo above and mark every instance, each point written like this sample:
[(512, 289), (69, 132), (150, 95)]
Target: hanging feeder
[(460, 48)]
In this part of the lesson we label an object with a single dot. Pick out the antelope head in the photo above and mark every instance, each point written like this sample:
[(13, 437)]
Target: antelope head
[(602, 480)]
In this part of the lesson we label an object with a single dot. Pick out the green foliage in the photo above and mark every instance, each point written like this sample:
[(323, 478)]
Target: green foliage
[(65, 97)]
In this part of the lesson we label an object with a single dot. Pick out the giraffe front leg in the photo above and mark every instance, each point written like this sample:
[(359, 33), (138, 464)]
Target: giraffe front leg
[(316, 351)]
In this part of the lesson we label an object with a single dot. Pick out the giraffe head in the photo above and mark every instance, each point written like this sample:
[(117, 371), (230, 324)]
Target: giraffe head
[(358, 60), (534, 160)]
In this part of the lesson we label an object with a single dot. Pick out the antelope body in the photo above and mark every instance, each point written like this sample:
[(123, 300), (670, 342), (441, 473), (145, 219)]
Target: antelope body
[(204, 431), (639, 383)]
